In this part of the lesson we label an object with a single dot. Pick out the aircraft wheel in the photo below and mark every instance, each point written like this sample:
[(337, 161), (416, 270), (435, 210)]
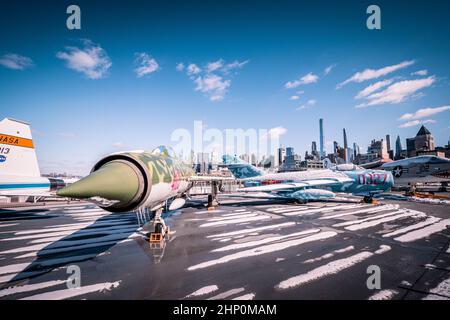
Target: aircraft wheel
[(367, 199), (159, 228)]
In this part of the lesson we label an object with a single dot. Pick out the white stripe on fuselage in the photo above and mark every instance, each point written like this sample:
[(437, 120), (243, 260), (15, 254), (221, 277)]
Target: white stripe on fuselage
[(299, 176)]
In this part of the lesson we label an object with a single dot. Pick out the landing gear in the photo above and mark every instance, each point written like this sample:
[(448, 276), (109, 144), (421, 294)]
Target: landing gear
[(212, 197), (161, 230), (368, 199)]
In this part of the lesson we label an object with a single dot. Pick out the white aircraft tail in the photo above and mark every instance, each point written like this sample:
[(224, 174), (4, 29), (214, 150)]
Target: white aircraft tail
[(17, 154), (327, 164)]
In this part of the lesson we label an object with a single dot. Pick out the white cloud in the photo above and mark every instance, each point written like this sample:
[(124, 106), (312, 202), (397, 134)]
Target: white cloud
[(328, 69), (180, 66), (306, 79), (221, 66), (213, 66), (397, 92), (213, 86), (309, 103), (415, 123), (145, 64), (369, 74), (373, 87), (235, 65), (423, 72), (213, 80), (294, 98), (193, 69), (91, 60), (15, 61), (424, 113)]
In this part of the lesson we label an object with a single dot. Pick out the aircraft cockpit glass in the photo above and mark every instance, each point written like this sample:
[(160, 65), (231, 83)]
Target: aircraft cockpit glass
[(164, 151), (347, 167)]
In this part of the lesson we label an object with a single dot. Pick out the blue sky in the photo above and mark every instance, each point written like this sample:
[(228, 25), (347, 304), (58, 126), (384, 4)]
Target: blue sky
[(84, 98)]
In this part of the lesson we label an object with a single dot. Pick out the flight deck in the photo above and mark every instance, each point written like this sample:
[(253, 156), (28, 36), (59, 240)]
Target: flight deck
[(243, 249)]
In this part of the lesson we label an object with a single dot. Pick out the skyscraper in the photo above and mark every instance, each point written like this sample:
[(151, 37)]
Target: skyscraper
[(345, 145), (313, 147), (322, 153), (398, 147), (356, 151), (314, 152), (289, 151), (388, 146), (335, 147), (423, 141), (281, 155)]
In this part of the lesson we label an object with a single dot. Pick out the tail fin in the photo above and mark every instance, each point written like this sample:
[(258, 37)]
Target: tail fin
[(241, 169), (17, 155), (327, 163)]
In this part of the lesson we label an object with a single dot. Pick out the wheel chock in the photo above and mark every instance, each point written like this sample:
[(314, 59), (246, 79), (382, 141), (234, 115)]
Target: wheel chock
[(156, 237)]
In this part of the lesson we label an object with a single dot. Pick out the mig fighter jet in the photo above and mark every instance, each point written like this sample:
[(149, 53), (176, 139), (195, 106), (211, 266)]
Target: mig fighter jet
[(139, 181)]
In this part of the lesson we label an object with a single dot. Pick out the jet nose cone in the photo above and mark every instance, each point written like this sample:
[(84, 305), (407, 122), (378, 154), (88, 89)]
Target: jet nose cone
[(116, 180)]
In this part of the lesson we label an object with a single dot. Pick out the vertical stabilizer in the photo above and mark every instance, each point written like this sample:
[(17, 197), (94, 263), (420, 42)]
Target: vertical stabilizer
[(241, 169), (17, 154)]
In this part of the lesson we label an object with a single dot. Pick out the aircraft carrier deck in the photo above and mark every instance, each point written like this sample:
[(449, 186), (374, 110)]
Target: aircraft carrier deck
[(244, 249)]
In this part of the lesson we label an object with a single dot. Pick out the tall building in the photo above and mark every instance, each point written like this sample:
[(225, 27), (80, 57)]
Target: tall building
[(388, 142), (314, 152), (398, 148), (411, 147), (202, 162), (388, 146), (281, 155), (423, 141), (378, 147), (322, 152), (289, 152), (356, 150), (313, 147), (345, 145), (335, 147), (345, 138), (338, 154), (291, 162)]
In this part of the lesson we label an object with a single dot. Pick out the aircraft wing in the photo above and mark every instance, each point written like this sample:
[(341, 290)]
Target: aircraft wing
[(295, 185), (30, 193), (259, 195), (210, 178)]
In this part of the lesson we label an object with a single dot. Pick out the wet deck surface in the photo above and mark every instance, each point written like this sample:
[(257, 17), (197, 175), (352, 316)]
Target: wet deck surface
[(245, 249)]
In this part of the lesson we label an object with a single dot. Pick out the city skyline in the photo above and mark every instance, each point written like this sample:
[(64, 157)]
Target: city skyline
[(119, 86)]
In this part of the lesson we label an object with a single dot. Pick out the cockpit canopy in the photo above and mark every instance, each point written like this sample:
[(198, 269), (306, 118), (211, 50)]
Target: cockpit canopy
[(346, 167), (164, 151)]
